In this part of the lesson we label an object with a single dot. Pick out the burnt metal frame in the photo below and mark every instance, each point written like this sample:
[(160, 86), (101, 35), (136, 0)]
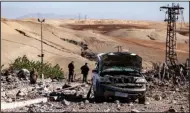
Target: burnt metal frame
[(172, 12)]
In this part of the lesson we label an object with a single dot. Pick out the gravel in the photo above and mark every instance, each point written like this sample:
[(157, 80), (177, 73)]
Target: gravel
[(159, 98)]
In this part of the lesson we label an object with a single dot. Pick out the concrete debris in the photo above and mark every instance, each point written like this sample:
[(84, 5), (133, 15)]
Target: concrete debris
[(164, 95), (86, 102), (81, 104), (107, 110), (48, 80), (3, 94), (118, 106), (158, 97), (130, 104), (171, 110), (135, 111), (53, 98), (146, 103), (74, 95), (23, 74), (65, 102), (86, 85), (20, 93), (9, 100), (117, 101), (69, 92), (54, 80), (174, 101)]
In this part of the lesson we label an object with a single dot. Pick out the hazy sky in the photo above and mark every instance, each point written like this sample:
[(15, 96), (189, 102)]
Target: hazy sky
[(104, 10)]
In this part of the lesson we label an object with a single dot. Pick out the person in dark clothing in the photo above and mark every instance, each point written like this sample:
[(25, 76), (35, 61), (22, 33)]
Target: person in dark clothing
[(71, 71), (84, 71)]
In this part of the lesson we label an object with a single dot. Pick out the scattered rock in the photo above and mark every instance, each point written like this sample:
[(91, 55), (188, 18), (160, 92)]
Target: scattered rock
[(58, 107), (174, 101), (9, 78), (176, 89), (171, 109), (164, 95), (146, 103), (53, 98), (118, 107), (20, 93), (73, 110), (135, 111), (86, 101), (41, 84), (107, 110), (50, 104), (65, 86), (45, 89), (54, 80), (158, 97), (24, 74), (58, 89), (81, 104), (65, 102), (2, 89), (130, 104), (30, 110), (117, 102), (86, 85), (9, 100), (48, 80), (69, 92), (84, 96), (182, 109), (3, 94)]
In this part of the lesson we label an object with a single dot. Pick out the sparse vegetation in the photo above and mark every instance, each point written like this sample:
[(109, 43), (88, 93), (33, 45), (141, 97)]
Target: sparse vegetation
[(49, 71), (2, 67)]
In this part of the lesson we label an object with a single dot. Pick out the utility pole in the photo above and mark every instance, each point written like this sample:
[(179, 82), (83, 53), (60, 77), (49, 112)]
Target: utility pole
[(85, 17), (42, 55), (79, 16), (172, 13), (182, 20)]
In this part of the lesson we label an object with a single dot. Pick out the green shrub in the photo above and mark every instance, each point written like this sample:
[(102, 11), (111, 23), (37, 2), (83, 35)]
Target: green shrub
[(49, 71)]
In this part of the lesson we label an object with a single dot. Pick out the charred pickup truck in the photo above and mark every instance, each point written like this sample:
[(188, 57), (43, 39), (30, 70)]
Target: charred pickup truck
[(118, 74)]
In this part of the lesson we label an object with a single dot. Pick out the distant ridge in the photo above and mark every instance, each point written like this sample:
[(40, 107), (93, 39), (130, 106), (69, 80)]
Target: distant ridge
[(48, 16)]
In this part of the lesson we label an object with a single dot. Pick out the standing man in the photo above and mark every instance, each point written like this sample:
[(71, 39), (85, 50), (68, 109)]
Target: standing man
[(71, 71), (84, 71)]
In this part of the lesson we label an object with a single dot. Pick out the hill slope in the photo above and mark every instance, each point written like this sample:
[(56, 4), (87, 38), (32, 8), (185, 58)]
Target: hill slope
[(147, 39)]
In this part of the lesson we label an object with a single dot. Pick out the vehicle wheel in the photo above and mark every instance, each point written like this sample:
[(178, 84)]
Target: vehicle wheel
[(97, 97), (142, 99)]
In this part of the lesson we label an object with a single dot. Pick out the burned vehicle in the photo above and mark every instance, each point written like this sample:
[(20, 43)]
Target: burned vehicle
[(118, 74)]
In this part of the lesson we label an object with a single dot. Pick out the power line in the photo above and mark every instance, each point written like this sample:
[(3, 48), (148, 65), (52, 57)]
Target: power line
[(172, 13)]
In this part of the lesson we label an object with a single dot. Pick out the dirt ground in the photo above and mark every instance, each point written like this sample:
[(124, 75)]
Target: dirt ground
[(159, 97)]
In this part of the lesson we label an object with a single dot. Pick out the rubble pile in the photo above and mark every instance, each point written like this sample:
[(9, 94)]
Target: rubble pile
[(162, 95), (161, 73)]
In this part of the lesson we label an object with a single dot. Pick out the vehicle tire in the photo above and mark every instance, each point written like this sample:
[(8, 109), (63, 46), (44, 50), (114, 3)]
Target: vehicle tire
[(98, 98), (142, 99)]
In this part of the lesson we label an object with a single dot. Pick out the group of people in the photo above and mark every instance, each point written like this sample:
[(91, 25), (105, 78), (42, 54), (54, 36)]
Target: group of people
[(84, 71)]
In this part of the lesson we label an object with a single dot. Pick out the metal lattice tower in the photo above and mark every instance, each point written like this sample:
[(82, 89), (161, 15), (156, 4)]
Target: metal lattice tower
[(172, 13)]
